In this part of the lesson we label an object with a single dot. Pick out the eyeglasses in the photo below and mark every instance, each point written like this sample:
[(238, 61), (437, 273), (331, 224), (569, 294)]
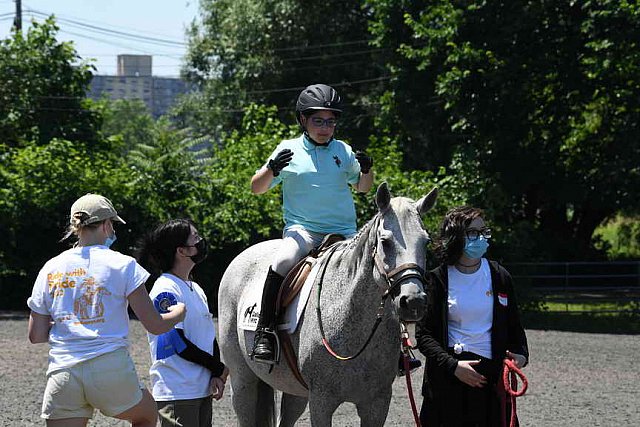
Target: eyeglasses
[(320, 122), (474, 234)]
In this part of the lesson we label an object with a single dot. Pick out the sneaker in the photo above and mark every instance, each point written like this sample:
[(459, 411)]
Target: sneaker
[(413, 365)]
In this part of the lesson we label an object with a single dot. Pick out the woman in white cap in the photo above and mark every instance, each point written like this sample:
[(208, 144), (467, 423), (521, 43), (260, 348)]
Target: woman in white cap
[(79, 305)]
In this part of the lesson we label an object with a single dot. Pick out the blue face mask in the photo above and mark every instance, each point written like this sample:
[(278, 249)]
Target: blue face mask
[(110, 240), (475, 248)]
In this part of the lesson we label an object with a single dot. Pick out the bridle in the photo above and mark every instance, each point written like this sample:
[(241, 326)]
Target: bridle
[(393, 279)]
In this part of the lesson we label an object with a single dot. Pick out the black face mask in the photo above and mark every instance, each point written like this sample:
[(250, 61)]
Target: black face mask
[(203, 251)]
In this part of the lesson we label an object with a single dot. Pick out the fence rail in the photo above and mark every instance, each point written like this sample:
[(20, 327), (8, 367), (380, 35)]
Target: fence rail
[(613, 287)]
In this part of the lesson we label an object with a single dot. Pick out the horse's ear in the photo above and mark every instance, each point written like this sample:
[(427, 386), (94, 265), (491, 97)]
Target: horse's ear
[(428, 201), (383, 197)]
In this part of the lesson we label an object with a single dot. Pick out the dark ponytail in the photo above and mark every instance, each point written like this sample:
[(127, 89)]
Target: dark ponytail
[(156, 250)]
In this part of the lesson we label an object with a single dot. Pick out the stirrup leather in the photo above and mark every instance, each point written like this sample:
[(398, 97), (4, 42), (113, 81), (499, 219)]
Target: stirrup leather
[(276, 340)]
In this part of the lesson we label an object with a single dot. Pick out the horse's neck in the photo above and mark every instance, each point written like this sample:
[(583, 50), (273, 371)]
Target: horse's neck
[(349, 282)]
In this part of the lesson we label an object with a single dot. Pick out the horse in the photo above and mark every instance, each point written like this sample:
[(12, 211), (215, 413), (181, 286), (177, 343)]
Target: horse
[(360, 276)]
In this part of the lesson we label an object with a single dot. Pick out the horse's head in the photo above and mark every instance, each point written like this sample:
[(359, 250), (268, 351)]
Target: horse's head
[(401, 248)]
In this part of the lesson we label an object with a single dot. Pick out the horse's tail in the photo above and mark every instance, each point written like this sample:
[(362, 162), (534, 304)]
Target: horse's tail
[(265, 407)]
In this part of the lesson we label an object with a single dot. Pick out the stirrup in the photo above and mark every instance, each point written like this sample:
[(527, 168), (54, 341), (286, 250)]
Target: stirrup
[(259, 334)]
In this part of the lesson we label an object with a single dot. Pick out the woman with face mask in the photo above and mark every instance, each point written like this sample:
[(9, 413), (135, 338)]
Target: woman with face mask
[(79, 305), (186, 372), (472, 324)]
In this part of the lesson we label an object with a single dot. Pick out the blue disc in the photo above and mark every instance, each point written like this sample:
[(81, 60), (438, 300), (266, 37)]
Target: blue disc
[(163, 301)]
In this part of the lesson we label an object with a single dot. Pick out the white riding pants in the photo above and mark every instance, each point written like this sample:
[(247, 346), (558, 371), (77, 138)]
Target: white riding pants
[(297, 242)]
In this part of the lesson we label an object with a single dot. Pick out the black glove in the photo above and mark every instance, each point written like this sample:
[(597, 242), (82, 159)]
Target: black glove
[(280, 162), (366, 162)]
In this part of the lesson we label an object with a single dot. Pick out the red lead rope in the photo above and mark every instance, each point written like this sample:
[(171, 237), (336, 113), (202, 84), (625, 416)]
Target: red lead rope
[(510, 376), (407, 374), (406, 346)]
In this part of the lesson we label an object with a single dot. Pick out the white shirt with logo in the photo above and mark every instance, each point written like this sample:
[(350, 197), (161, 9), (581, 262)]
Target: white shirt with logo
[(175, 378), (470, 303), (85, 290)]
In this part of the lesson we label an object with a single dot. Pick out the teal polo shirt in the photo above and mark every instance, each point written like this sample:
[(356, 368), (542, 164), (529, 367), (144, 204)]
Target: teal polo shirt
[(315, 186)]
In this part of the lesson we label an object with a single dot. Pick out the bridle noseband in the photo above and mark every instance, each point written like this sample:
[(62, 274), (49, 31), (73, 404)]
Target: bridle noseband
[(391, 278)]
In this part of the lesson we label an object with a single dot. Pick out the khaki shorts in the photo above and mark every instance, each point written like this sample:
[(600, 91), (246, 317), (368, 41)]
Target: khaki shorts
[(108, 382)]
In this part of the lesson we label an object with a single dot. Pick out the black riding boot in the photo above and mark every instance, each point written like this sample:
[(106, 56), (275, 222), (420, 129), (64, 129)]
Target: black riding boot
[(264, 346)]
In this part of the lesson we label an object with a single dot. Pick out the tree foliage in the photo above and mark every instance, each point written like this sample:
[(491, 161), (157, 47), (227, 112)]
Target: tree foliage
[(264, 52), (42, 90), (539, 100)]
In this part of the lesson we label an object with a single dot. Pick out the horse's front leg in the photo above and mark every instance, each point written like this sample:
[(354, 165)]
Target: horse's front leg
[(373, 412), (290, 409), (321, 408)]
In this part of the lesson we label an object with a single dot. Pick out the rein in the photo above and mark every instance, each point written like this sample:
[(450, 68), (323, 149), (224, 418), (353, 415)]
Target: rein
[(392, 283)]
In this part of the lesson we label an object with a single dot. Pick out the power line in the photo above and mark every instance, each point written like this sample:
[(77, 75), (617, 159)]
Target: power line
[(183, 44), (97, 23), (299, 88), (168, 55), (121, 34), (318, 46), (336, 55), (290, 89)]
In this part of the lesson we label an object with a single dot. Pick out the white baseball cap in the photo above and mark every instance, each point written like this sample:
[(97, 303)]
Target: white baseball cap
[(92, 208)]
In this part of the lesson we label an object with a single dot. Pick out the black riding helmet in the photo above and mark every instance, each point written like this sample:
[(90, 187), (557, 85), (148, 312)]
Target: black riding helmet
[(318, 97)]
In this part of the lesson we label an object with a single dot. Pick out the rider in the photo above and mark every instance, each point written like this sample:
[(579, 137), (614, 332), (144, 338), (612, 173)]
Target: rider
[(315, 170)]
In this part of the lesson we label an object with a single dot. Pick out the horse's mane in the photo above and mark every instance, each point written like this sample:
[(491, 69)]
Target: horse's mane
[(355, 248)]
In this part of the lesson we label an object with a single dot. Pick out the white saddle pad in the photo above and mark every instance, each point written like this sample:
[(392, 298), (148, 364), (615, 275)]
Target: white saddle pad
[(250, 302)]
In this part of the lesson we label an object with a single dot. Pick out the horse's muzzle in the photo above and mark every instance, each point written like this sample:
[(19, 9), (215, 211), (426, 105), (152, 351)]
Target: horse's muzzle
[(411, 303)]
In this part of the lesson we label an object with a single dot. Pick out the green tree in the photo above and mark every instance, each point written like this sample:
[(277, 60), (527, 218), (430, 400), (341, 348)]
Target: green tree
[(265, 52), (540, 101), (42, 90), (130, 119), (236, 218), (39, 184)]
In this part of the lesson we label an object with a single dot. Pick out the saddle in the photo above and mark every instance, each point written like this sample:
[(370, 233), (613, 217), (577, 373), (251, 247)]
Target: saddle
[(291, 286), (296, 277)]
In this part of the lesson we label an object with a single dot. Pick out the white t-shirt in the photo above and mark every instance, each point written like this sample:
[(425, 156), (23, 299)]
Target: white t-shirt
[(175, 378), (470, 304), (85, 290)]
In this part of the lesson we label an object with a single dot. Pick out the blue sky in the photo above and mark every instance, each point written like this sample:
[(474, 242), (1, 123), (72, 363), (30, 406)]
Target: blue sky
[(163, 20)]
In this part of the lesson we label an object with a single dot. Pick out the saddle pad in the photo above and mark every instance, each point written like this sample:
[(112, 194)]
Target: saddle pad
[(250, 301)]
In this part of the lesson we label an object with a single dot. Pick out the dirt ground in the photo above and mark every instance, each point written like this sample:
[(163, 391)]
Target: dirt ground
[(575, 379)]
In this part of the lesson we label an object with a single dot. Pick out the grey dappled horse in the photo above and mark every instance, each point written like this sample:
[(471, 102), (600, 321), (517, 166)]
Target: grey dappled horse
[(352, 291)]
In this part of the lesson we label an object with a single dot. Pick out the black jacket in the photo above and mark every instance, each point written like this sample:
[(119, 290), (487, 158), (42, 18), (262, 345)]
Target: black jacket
[(432, 331)]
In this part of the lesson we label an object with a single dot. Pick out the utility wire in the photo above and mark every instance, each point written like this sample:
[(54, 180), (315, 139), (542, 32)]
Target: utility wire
[(318, 46), (168, 55), (340, 84), (97, 22), (185, 44), (105, 31)]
